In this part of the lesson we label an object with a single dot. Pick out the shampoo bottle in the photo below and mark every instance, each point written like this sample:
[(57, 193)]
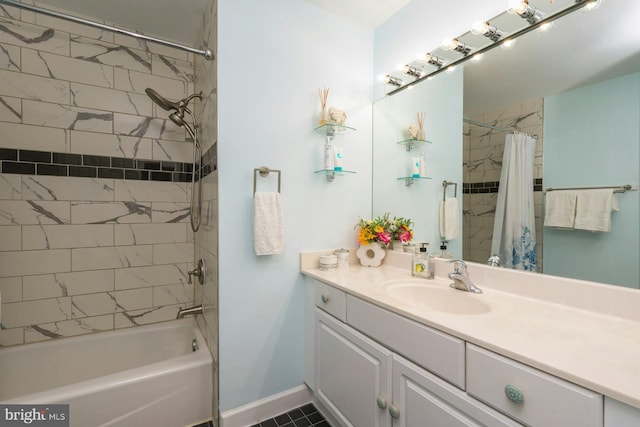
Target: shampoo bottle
[(420, 264), (328, 155), (415, 167)]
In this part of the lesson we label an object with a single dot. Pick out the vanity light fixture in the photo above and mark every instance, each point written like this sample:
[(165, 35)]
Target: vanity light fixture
[(456, 45), (389, 79), (428, 58), (590, 4), (411, 71), (483, 28), (508, 43), (525, 10)]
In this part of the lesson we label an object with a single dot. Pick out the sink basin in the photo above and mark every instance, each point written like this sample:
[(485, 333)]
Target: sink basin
[(439, 298)]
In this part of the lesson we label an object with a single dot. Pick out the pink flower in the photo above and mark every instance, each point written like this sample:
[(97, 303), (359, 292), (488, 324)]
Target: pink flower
[(384, 237)]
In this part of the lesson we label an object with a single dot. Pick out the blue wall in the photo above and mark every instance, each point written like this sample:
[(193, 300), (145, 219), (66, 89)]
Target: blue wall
[(274, 55), (591, 137)]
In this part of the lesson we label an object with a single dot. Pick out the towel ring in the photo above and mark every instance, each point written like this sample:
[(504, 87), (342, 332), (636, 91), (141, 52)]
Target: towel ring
[(445, 184), (264, 172)]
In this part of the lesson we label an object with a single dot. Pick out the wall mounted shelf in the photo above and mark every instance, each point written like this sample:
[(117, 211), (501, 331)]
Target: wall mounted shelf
[(410, 143), (331, 174), (408, 180), (331, 129)]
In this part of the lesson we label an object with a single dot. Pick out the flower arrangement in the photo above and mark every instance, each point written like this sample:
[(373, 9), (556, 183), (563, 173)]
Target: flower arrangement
[(384, 230)]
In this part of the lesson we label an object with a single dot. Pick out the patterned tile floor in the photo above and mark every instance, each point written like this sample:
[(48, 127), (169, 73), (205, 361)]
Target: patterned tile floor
[(304, 416)]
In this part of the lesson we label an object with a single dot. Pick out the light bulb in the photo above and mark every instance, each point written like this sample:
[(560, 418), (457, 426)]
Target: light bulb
[(518, 6), (480, 28), (477, 57), (592, 4), (450, 69), (449, 44)]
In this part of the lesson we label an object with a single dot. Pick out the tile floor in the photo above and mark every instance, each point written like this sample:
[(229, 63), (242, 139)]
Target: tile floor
[(304, 416)]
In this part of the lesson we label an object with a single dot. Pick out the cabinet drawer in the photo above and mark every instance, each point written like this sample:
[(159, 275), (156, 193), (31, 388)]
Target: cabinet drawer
[(331, 300), (535, 398), (433, 350)]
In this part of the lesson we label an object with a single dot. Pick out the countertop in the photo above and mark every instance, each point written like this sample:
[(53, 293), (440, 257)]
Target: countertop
[(597, 350)]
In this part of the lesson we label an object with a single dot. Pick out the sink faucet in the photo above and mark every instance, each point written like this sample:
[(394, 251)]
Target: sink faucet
[(196, 309), (460, 277)]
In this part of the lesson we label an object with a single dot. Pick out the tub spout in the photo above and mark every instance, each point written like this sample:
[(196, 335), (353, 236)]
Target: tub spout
[(196, 309)]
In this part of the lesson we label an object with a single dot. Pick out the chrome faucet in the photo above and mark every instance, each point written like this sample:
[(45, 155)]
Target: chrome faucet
[(196, 309), (494, 261), (460, 277)]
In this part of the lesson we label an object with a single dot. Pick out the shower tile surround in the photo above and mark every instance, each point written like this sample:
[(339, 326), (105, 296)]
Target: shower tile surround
[(94, 180), (482, 154)]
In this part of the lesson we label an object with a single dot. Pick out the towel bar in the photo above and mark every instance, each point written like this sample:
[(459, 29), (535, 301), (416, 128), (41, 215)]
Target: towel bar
[(616, 188), (264, 172)]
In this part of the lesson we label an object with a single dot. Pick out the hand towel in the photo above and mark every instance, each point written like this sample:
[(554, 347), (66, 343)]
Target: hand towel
[(593, 209), (449, 216), (268, 223), (560, 208)]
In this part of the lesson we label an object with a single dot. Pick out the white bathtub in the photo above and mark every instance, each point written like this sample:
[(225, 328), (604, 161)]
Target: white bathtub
[(143, 376)]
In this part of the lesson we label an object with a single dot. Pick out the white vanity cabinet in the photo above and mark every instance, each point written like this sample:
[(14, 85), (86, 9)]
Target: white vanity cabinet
[(618, 414)]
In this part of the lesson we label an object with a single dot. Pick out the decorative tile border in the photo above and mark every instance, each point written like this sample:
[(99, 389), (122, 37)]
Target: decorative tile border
[(492, 187), (30, 162)]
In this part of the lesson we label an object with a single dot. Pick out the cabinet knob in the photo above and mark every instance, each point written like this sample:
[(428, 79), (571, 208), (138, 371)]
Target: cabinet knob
[(382, 403), (513, 393), (324, 298), (394, 411)]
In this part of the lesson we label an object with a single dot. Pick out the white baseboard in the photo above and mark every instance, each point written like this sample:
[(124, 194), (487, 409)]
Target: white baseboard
[(266, 408)]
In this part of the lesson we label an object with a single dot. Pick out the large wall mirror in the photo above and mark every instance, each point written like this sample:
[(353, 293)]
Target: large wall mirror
[(576, 88)]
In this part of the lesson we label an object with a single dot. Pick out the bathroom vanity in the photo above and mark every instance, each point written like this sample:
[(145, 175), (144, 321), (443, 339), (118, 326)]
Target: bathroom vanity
[(384, 348)]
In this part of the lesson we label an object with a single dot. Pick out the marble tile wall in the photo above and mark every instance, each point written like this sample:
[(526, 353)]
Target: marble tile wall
[(482, 154), (84, 254), (206, 239)]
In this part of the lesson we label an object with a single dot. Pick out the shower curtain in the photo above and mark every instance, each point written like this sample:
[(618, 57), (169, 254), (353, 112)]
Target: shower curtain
[(514, 229)]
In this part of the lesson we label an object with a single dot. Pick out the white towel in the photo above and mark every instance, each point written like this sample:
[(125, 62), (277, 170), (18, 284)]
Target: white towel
[(268, 224), (560, 208), (449, 215), (593, 209)]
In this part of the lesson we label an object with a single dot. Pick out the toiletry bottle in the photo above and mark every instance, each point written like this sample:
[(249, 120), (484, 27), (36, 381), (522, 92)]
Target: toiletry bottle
[(337, 161), (444, 253), (420, 264), (328, 155), (415, 167), (423, 166)]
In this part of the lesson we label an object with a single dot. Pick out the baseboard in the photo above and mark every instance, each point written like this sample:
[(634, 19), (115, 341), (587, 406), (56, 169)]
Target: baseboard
[(266, 408)]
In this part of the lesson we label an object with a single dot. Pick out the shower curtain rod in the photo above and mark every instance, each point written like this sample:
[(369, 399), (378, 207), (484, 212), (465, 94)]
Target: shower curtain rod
[(206, 52), (485, 125)]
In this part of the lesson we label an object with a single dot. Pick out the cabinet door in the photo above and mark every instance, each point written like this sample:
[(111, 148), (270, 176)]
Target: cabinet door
[(352, 374), (420, 399), (618, 414)]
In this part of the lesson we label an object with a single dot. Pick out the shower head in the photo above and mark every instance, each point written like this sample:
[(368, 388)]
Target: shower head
[(162, 102), (177, 117)]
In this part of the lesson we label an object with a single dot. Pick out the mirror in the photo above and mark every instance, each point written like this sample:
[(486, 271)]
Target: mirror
[(576, 87)]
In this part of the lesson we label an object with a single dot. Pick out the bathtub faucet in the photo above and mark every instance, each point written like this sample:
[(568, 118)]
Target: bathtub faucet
[(196, 309)]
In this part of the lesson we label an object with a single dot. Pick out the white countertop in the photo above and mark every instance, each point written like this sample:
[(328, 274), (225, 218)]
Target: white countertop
[(594, 347)]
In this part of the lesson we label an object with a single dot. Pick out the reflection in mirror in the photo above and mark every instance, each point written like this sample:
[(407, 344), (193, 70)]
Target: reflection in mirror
[(576, 87)]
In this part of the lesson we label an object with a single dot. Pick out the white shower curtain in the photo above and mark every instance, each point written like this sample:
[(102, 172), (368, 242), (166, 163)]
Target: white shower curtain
[(514, 229)]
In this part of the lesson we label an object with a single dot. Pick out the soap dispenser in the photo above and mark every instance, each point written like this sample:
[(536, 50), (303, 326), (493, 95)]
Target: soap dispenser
[(420, 264), (443, 251)]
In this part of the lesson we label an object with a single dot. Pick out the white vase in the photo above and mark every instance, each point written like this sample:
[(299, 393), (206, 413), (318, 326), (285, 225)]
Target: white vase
[(371, 254), (396, 245)]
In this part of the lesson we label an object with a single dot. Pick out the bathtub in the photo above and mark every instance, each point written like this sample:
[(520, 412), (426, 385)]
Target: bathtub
[(142, 376)]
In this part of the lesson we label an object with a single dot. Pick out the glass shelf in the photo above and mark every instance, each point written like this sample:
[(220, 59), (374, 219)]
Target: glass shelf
[(412, 142), (332, 129), (408, 180), (331, 174)]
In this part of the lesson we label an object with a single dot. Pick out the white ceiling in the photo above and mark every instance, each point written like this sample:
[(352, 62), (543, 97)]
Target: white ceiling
[(370, 13)]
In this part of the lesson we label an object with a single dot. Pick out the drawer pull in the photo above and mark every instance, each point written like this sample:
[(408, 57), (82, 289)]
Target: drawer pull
[(514, 394), (382, 403), (394, 411), (324, 298)]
